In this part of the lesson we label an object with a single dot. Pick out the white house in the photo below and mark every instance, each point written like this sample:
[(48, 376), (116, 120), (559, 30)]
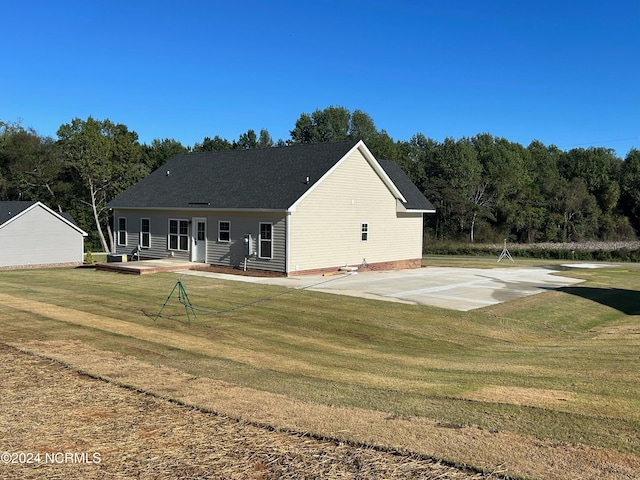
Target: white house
[(296, 209)]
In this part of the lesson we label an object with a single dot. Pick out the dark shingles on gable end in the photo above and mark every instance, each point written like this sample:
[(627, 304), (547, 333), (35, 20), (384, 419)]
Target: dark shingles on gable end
[(258, 179), (415, 199), (8, 210), (270, 178)]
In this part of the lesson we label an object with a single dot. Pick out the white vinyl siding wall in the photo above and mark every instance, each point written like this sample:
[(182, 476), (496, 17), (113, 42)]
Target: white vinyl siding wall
[(326, 227), (38, 237)]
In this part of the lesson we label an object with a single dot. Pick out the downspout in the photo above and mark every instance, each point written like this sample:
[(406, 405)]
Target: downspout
[(287, 243)]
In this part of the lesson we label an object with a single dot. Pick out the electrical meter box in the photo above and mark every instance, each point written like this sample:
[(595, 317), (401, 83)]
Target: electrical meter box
[(248, 243)]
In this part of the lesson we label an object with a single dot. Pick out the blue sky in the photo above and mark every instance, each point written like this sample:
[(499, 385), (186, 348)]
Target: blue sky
[(564, 72)]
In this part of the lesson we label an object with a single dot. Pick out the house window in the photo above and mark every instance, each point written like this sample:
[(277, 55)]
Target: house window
[(145, 233), (201, 233), (122, 231), (265, 242), (178, 234), (364, 232), (224, 231)]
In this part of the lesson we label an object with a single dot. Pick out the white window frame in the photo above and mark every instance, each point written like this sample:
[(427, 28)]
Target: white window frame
[(180, 237), (228, 231), (145, 234), (263, 240), (122, 232), (364, 232)]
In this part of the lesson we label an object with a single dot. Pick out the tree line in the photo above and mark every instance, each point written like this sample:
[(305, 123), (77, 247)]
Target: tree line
[(484, 188)]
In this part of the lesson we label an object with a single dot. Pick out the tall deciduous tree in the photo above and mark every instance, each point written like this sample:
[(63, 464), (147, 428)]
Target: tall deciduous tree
[(160, 152), (215, 144), (575, 207), (334, 124), (247, 140), (630, 187), (328, 125), (600, 169), (106, 157), (30, 164), (450, 174), (264, 139)]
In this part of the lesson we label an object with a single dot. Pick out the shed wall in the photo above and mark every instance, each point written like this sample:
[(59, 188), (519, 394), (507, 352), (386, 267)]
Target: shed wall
[(39, 238)]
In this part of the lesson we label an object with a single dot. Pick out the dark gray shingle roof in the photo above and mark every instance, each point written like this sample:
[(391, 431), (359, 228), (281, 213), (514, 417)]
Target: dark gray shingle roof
[(8, 210), (268, 179), (412, 194)]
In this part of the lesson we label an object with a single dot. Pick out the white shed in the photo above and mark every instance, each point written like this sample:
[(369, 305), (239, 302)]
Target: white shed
[(31, 234)]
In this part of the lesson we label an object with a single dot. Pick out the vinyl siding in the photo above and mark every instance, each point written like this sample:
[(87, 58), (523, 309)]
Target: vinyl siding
[(230, 253), (159, 226), (38, 238), (233, 253), (326, 225)]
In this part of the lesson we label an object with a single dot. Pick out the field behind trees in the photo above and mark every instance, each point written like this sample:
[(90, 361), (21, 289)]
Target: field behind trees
[(623, 251)]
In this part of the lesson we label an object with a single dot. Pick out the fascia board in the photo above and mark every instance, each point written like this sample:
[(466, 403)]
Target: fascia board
[(23, 212), (84, 234), (408, 210), (379, 170), (202, 209), (15, 217), (402, 209), (48, 210), (295, 204)]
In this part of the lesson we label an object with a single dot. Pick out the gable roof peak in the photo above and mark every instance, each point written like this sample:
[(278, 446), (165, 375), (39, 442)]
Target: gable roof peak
[(264, 178), (274, 178), (10, 210)]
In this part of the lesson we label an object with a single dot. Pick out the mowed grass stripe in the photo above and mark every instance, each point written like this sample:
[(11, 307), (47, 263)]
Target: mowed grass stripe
[(250, 353), (413, 373), (481, 448), (572, 357)]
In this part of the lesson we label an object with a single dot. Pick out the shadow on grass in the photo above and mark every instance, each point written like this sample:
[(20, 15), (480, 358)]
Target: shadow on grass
[(626, 301)]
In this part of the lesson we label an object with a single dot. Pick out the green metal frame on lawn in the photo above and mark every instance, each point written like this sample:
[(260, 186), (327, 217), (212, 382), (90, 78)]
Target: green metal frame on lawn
[(183, 298)]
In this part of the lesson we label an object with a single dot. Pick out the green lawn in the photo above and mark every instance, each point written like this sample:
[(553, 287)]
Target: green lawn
[(561, 366)]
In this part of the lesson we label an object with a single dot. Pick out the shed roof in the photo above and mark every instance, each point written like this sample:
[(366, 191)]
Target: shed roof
[(11, 209)]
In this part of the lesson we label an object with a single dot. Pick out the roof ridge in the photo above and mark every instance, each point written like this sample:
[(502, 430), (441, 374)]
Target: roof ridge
[(271, 178), (238, 151)]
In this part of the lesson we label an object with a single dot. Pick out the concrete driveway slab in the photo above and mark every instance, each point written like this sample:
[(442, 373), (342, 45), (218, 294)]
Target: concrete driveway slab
[(446, 287)]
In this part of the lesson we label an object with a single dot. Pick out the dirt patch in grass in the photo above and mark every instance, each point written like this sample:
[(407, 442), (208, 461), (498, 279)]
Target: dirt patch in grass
[(531, 397), (491, 451), (75, 426), (629, 332)]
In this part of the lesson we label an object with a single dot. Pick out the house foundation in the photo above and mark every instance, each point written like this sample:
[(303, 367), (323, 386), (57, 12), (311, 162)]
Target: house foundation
[(391, 265)]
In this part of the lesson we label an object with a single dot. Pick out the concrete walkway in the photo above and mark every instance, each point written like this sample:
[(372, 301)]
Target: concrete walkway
[(446, 287)]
